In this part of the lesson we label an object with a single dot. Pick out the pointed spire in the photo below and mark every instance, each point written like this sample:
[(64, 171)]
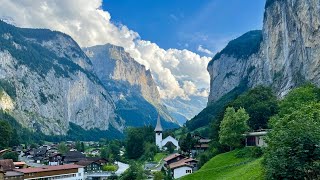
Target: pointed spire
[(158, 126)]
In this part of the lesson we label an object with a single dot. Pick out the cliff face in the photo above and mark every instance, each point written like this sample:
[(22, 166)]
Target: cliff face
[(47, 82), (287, 56), (129, 83)]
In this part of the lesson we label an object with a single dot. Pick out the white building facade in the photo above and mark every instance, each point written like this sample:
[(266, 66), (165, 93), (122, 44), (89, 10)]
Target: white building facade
[(181, 171), (162, 142)]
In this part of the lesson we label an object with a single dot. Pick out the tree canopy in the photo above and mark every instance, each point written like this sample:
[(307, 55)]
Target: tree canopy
[(233, 126)]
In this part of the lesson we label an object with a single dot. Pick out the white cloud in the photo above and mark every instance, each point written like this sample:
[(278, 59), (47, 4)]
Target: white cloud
[(204, 50), (179, 73)]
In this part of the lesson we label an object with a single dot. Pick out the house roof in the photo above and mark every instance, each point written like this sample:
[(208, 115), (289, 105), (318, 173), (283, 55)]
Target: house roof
[(19, 163), (49, 168), (7, 164), (74, 154), (85, 163), (158, 126), (182, 162), (178, 164), (204, 140), (259, 133), (172, 156), (13, 173)]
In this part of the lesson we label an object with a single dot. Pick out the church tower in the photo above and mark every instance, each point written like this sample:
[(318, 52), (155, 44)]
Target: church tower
[(158, 130)]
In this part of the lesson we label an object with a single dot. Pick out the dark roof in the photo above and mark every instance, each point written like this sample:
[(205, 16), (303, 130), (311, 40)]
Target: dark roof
[(40, 151), (74, 154), (172, 156), (13, 173), (85, 163), (7, 164)]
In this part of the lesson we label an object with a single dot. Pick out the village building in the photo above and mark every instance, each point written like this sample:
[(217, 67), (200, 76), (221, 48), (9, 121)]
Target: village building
[(7, 170), (55, 159), (173, 158), (180, 165), (73, 157), (163, 142), (256, 138), (20, 165), (90, 166), (63, 172)]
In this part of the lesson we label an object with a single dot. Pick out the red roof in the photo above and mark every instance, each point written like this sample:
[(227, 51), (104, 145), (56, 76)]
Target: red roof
[(182, 162), (172, 156), (49, 168)]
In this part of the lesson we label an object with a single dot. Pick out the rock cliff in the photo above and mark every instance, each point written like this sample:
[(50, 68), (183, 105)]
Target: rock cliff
[(130, 84), (47, 82), (283, 55)]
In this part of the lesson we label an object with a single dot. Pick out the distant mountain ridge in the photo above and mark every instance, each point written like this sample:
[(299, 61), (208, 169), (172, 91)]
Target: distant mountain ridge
[(131, 86)]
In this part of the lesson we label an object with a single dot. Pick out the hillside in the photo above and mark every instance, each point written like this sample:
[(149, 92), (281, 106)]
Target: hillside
[(228, 166)]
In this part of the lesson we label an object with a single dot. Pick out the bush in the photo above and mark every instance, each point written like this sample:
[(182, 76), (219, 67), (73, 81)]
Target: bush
[(110, 168), (11, 155), (249, 152)]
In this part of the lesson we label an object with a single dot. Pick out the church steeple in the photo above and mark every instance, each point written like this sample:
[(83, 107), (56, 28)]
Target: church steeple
[(158, 126)]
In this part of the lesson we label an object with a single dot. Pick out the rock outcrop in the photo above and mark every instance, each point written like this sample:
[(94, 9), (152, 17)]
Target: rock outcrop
[(47, 82), (130, 85), (286, 55)]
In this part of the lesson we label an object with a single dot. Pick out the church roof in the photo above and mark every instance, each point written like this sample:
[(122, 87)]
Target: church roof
[(158, 126)]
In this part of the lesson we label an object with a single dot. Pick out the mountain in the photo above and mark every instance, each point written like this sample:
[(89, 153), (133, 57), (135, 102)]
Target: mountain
[(131, 86), (186, 108), (284, 55), (47, 83)]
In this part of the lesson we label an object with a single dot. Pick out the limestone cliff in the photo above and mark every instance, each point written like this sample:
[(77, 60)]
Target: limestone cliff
[(130, 84), (46, 83), (286, 55)]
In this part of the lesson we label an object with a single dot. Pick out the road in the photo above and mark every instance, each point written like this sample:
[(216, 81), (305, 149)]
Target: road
[(122, 167)]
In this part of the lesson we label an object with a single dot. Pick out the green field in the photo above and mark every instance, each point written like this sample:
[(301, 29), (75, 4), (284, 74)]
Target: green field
[(159, 156), (228, 166)]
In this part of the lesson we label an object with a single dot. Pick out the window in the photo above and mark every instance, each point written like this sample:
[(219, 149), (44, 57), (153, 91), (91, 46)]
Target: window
[(188, 171)]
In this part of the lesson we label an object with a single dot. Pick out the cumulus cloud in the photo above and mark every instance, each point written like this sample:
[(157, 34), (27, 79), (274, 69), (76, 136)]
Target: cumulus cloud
[(178, 73), (204, 50)]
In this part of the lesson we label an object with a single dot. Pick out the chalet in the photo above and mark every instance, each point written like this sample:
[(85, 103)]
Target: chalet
[(173, 158), (7, 170), (20, 165), (180, 169), (90, 166), (201, 145), (73, 157), (256, 138), (98, 160), (63, 172), (183, 167), (55, 159), (40, 154)]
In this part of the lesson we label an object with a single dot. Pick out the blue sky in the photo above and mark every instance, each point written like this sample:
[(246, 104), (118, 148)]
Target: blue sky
[(188, 23)]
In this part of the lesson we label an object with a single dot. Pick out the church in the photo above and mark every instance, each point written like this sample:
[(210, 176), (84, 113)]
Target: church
[(162, 142)]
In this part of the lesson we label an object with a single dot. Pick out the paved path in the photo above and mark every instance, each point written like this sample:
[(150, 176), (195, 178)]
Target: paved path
[(122, 167)]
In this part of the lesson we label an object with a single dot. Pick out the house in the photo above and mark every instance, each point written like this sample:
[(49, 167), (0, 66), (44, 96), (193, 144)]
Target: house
[(40, 154), (180, 169), (201, 145), (7, 170), (20, 165), (90, 166), (180, 165), (99, 160), (73, 157), (173, 158), (63, 172), (162, 142), (256, 138), (55, 159)]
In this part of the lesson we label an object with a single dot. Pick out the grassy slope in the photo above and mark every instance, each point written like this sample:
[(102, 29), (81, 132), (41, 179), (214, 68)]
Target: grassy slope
[(227, 166), (159, 156)]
